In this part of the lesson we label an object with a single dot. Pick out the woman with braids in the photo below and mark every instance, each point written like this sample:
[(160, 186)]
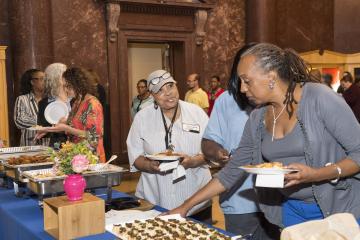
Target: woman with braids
[(86, 118), (304, 125), (26, 106)]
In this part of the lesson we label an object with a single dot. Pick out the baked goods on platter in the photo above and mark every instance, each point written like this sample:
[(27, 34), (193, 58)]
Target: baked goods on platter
[(27, 159), (267, 165), (171, 229)]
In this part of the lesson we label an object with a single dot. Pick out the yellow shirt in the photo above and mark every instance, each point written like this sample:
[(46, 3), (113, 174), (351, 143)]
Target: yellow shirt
[(198, 97)]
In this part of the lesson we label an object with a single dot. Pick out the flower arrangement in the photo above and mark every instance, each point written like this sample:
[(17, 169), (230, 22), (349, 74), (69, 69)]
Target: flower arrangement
[(73, 157)]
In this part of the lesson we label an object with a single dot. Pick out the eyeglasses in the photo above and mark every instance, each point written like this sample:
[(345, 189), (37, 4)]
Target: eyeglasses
[(156, 80)]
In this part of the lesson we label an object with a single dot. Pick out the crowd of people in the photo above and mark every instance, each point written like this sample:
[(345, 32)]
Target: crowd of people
[(274, 110)]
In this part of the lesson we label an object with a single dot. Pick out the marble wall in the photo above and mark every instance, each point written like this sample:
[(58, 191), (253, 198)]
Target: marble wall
[(225, 34), (79, 35)]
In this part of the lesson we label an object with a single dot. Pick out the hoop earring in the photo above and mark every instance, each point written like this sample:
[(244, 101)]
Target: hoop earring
[(156, 105), (271, 84)]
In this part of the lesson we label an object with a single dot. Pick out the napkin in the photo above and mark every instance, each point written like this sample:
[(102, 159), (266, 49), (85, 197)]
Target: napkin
[(340, 226), (178, 169), (178, 172)]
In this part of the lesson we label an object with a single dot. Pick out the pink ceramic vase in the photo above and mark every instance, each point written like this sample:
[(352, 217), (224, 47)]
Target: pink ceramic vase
[(74, 186)]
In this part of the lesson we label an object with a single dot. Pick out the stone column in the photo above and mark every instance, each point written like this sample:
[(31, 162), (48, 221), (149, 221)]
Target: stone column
[(31, 36), (261, 21)]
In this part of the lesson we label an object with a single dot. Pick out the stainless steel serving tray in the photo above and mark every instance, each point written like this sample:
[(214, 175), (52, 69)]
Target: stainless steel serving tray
[(15, 171), (23, 149), (53, 185)]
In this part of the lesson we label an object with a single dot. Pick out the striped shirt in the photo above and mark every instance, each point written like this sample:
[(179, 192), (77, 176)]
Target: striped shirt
[(25, 116), (147, 136)]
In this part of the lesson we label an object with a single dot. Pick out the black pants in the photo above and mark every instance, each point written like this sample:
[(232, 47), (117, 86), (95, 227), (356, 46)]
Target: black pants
[(251, 223), (204, 215)]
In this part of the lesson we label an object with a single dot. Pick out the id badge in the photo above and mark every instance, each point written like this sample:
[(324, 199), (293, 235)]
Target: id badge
[(194, 128)]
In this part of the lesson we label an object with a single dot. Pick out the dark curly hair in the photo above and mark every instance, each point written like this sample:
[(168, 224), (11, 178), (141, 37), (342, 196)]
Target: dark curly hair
[(81, 81), (234, 83), (289, 66), (25, 81)]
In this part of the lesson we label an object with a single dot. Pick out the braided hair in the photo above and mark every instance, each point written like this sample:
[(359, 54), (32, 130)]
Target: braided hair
[(289, 66), (26, 86)]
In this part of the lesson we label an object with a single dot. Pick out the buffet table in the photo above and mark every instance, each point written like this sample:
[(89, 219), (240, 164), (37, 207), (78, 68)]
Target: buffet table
[(22, 219)]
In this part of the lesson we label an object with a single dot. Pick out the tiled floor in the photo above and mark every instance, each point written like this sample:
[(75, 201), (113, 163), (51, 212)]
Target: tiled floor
[(128, 185)]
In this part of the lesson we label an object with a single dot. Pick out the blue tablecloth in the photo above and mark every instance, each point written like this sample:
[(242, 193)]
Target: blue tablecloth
[(22, 219)]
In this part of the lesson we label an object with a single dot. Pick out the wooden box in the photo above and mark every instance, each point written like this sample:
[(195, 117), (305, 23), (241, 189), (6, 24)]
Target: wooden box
[(64, 219)]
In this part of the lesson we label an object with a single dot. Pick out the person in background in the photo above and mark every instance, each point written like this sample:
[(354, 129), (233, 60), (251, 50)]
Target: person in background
[(54, 91), (86, 119), (215, 91), (169, 124), (327, 79), (222, 136), (351, 94), (349, 77), (26, 106), (301, 124), (195, 94), (142, 100)]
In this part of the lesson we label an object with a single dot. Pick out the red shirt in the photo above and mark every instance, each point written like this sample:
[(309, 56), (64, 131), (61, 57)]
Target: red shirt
[(212, 97)]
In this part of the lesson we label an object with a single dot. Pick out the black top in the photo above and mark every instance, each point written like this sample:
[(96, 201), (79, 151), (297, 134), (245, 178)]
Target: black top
[(41, 120)]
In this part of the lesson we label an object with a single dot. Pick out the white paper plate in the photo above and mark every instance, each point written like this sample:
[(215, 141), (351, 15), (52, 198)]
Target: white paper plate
[(268, 171), (55, 111), (163, 157), (37, 128)]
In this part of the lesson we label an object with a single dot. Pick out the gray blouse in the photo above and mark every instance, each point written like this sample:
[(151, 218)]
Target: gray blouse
[(289, 149)]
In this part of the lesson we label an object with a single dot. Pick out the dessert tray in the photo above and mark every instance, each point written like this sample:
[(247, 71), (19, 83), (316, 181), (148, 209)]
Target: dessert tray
[(45, 182), (165, 227)]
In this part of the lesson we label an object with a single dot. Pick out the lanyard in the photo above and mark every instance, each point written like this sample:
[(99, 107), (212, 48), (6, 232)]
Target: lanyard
[(168, 130), (138, 107)]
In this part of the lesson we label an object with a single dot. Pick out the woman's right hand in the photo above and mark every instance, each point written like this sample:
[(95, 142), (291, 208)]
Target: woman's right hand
[(153, 166), (39, 135)]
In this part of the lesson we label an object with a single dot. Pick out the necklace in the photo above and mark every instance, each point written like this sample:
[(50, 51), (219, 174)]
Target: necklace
[(275, 119)]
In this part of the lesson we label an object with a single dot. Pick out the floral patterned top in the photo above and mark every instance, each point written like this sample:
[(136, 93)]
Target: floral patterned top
[(88, 116)]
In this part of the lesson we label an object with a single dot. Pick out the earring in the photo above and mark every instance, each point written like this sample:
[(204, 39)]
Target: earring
[(272, 84), (156, 105)]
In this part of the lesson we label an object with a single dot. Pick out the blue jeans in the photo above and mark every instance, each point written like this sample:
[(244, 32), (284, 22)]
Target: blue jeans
[(297, 211)]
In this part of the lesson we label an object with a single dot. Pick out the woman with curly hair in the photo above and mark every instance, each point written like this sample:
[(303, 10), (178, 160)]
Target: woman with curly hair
[(86, 118), (26, 105)]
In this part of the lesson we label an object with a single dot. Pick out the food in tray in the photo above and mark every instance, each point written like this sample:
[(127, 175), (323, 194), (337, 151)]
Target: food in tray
[(278, 165), (47, 175), (171, 229), (26, 159)]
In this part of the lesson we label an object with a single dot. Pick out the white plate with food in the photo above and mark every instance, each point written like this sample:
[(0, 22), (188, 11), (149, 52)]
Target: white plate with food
[(164, 156), (56, 111), (272, 168), (37, 128)]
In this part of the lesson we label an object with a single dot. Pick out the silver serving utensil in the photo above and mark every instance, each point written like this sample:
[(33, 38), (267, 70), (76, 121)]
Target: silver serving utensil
[(112, 158)]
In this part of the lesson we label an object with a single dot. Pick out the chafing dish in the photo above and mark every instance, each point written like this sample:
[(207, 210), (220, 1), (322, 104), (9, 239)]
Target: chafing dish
[(23, 149), (14, 171), (44, 182)]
